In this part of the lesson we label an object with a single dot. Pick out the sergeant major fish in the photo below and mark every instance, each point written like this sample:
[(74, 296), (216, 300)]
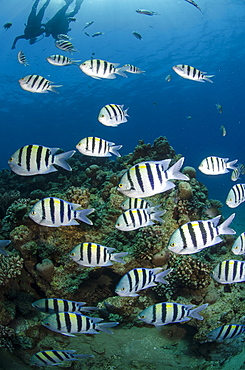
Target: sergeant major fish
[(140, 278), (67, 323), (113, 115), (61, 60), (54, 305), (216, 165), (95, 255), (55, 212), (133, 219), (22, 58), (63, 36), (65, 45), (236, 196), (191, 73), (3, 244), (240, 169), (96, 147), (149, 178), (194, 236), (55, 357), (38, 160), (131, 69), (146, 12), (37, 84), (168, 313), (224, 332), (238, 246), (97, 68), (138, 203), (229, 272)]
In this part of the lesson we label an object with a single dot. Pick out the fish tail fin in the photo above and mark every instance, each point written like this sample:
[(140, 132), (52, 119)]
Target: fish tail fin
[(224, 229), (157, 216), (81, 215), (60, 159), (154, 208), (174, 171), (194, 313), (231, 164), (114, 150), (207, 78), (76, 62), (120, 72), (160, 277), (117, 257), (105, 325), (52, 88)]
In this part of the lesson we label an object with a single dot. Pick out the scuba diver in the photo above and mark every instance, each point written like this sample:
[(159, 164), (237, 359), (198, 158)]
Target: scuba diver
[(34, 26), (59, 23)]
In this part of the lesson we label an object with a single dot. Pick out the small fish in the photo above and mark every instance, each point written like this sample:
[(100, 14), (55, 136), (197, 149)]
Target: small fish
[(131, 69), (224, 332), (95, 255), (168, 313), (192, 73), (7, 25), (189, 117), (55, 212), (37, 84), (137, 35), (97, 34), (238, 246), (87, 25), (71, 19), (54, 305), (65, 45), (229, 272), (216, 165), (96, 147), (223, 130), (168, 78), (87, 34), (140, 278), (37, 159), (133, 219), (3, 244), (146, 12), (67, 323), (63, 36), (219, 108), (194, 236), (61, 60), (113, 115), (139, 203), (235, 175), (236, 196), (22, 59), (193, 3), (149, 178), (97, 68), (55, 357)]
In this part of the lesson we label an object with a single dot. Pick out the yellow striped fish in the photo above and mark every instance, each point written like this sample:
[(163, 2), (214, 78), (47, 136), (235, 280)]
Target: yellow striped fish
[(54, 305), (224, 332), (98, 68), (191, 73), (55, 357), (37, 84), (96, 147), (229, 272), (113, 115)]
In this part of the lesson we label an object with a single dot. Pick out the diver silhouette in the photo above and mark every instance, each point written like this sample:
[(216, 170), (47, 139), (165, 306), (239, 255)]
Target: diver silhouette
[(59, 23), (34, 26)]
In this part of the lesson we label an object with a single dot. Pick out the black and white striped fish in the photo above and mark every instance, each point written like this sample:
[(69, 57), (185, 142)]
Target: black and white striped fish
[(95, 255), (3, 244), (149, 178), (67, 323), (229, 271), (98, 69), (238, 246), (133, 219), (22, 58), (65, 45), (54, 305), (131, 69), (191, 73), (168, 313), (37, 159), (37, 84), (140, 278), (216, 165), (54, 357), (63, 36), (61, 60), (55, 212), (224, 332), (139, 203), (96, 147), (236, 196), (113, 115), (194, 236)]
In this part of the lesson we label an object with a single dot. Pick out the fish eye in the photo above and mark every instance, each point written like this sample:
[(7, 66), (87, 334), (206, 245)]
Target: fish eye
[(72, 254), (102, 115), (33, 213), (120, 185), (172, 245), (122, 289), (142, 316), (10, 159)]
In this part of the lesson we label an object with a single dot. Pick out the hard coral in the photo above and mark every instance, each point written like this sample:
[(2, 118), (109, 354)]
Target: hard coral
[(10, 267)]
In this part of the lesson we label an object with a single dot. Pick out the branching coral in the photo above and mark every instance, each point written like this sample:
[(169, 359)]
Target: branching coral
[(10, 267)]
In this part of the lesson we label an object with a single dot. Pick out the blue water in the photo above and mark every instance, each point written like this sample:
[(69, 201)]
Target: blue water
[(212, 42)]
